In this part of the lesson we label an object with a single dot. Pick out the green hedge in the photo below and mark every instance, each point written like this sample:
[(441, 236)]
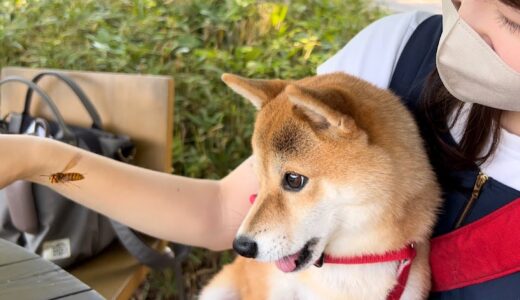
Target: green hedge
[(195, 42)]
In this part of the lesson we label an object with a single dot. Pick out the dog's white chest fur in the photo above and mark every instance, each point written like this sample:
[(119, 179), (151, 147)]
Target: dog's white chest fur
[(332, 282), (336, 282)]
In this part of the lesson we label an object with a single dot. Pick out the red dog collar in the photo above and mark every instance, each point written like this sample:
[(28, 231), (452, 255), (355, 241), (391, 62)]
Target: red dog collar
[(405, 257)]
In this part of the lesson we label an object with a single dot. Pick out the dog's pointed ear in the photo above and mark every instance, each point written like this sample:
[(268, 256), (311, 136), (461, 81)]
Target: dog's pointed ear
[(258, 91), (313, 105)]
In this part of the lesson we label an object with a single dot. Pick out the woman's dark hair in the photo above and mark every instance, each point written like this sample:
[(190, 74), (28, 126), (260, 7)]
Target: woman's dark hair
[(512, 3), (483, 125)]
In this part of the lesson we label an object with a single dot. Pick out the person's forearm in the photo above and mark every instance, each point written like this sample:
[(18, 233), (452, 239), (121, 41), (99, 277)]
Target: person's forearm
[(171, 207)]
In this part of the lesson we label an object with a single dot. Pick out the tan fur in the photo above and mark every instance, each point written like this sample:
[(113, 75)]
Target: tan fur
[(370, 190)]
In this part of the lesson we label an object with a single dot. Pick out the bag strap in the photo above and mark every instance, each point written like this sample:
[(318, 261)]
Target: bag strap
[(91, 110), (64, 132), (146, 254), (416, 61), (481, 251)]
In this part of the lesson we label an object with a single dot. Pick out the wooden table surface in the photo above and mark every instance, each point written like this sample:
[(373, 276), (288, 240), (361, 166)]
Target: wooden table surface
[(24, 275)]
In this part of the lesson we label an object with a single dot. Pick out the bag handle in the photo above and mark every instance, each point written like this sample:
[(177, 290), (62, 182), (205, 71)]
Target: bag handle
[(64, 132), (91, 110), (146, 254)]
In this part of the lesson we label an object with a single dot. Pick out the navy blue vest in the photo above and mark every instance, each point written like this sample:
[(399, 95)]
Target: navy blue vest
[(415, 64)]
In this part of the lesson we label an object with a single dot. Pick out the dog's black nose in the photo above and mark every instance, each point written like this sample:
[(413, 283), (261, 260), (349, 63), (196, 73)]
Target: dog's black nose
[(245, 247)]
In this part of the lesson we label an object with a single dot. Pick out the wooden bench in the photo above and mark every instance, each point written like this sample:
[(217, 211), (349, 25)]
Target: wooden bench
[(140, 106)]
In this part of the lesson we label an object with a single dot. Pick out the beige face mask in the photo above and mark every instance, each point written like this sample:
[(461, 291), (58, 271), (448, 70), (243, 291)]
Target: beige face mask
[(470, 69)]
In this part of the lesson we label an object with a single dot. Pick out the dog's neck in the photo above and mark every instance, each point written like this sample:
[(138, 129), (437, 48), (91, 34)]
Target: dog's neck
[(401, 261), (371, 240)]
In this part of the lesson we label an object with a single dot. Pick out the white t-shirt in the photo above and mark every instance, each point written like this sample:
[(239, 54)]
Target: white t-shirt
[(373, 54)]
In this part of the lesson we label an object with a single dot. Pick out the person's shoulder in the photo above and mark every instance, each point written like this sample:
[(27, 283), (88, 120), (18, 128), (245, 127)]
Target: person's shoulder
[(373, 53)]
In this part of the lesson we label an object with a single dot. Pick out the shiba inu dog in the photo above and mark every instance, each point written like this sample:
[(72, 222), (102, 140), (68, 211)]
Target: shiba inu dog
[(347, 196)]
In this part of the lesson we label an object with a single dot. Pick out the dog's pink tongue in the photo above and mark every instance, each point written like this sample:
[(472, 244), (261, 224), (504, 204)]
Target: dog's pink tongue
[(288, 263)]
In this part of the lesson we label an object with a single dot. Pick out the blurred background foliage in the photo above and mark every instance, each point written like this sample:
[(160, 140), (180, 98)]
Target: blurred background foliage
[(195, 41)]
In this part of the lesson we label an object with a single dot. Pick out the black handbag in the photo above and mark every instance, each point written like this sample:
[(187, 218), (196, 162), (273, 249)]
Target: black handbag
[(53, 226)]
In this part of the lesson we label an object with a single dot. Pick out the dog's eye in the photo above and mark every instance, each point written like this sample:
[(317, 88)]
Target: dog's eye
[(294, 182)]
